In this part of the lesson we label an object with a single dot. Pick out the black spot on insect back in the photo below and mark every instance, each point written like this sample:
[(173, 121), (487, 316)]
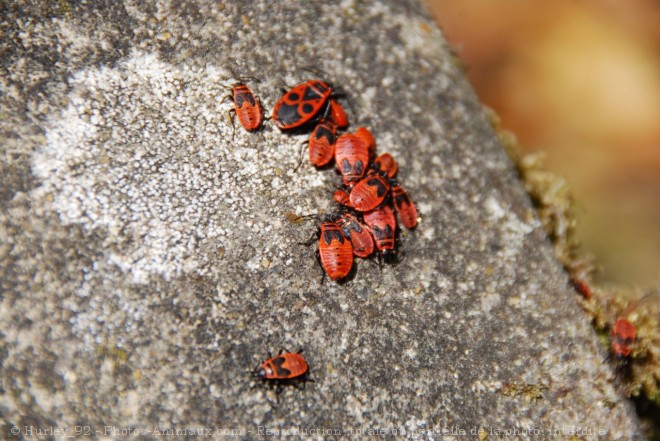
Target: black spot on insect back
[(307, 108), (288, 114), (329, 235)]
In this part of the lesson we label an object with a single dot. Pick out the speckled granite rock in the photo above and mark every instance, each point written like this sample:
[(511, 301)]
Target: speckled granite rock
[(147, 262)]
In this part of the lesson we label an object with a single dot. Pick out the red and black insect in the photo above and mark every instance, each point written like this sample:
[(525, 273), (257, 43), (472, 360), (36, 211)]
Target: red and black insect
[(335, 252), (369, 193), (322, 143), (623, 336), (342, 197), (385, 165), (382, 223), (358, 233), (284, 366), (337, 114), (582, 287), (364, 134), (247, 108), (301, 104), (352, 157), (404, 206)]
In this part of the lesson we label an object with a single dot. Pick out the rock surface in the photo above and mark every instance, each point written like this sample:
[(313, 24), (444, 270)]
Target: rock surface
[(147, 262)]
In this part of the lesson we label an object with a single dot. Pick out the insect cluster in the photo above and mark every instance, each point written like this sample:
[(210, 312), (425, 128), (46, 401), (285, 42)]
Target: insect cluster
[(365, 222), (369, 199)]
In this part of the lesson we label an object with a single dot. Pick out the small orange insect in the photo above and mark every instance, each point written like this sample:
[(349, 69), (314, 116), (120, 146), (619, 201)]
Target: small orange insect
[(322, 143), (352, 157), (342, 197), (382, 223), (405, 207), (385, 165), (623, 336), (582, 287), (369, 193), (358, 234), (365, 135), (284, 366), (247, 108), (337, 114), (335, 251)]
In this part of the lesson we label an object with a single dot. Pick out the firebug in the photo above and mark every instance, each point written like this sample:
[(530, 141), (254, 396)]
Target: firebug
[(382, 223), (364, 134), (352, 157), (369, 193), (582, 287), (284, 366), (404, 206), (623, 336), (335, 251), (301, 104), (322, 143), (337, 114), (358, 233), (342, 197), (247, 107), (385, 165)]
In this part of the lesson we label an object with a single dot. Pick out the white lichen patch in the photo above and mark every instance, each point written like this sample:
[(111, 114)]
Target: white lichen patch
[(513, 229), (145, 151), (490, 301)]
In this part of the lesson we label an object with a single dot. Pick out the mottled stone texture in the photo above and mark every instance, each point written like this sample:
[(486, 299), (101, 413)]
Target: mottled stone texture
[(147, 262)]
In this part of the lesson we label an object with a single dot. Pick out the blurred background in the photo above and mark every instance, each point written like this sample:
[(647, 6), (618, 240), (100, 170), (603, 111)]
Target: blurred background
[(580, 80)]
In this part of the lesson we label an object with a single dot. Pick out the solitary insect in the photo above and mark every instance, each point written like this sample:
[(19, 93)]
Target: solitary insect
[(369, 193), (404, 206), (335, 251), (352, 157), (301, 104), (623, 336), (582, 287), (284, 366), (247, 107)]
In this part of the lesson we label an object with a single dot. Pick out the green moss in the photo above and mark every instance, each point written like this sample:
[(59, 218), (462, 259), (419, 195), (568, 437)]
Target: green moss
[(65, 8), (532, 392), (119, 357), (554, 203)]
